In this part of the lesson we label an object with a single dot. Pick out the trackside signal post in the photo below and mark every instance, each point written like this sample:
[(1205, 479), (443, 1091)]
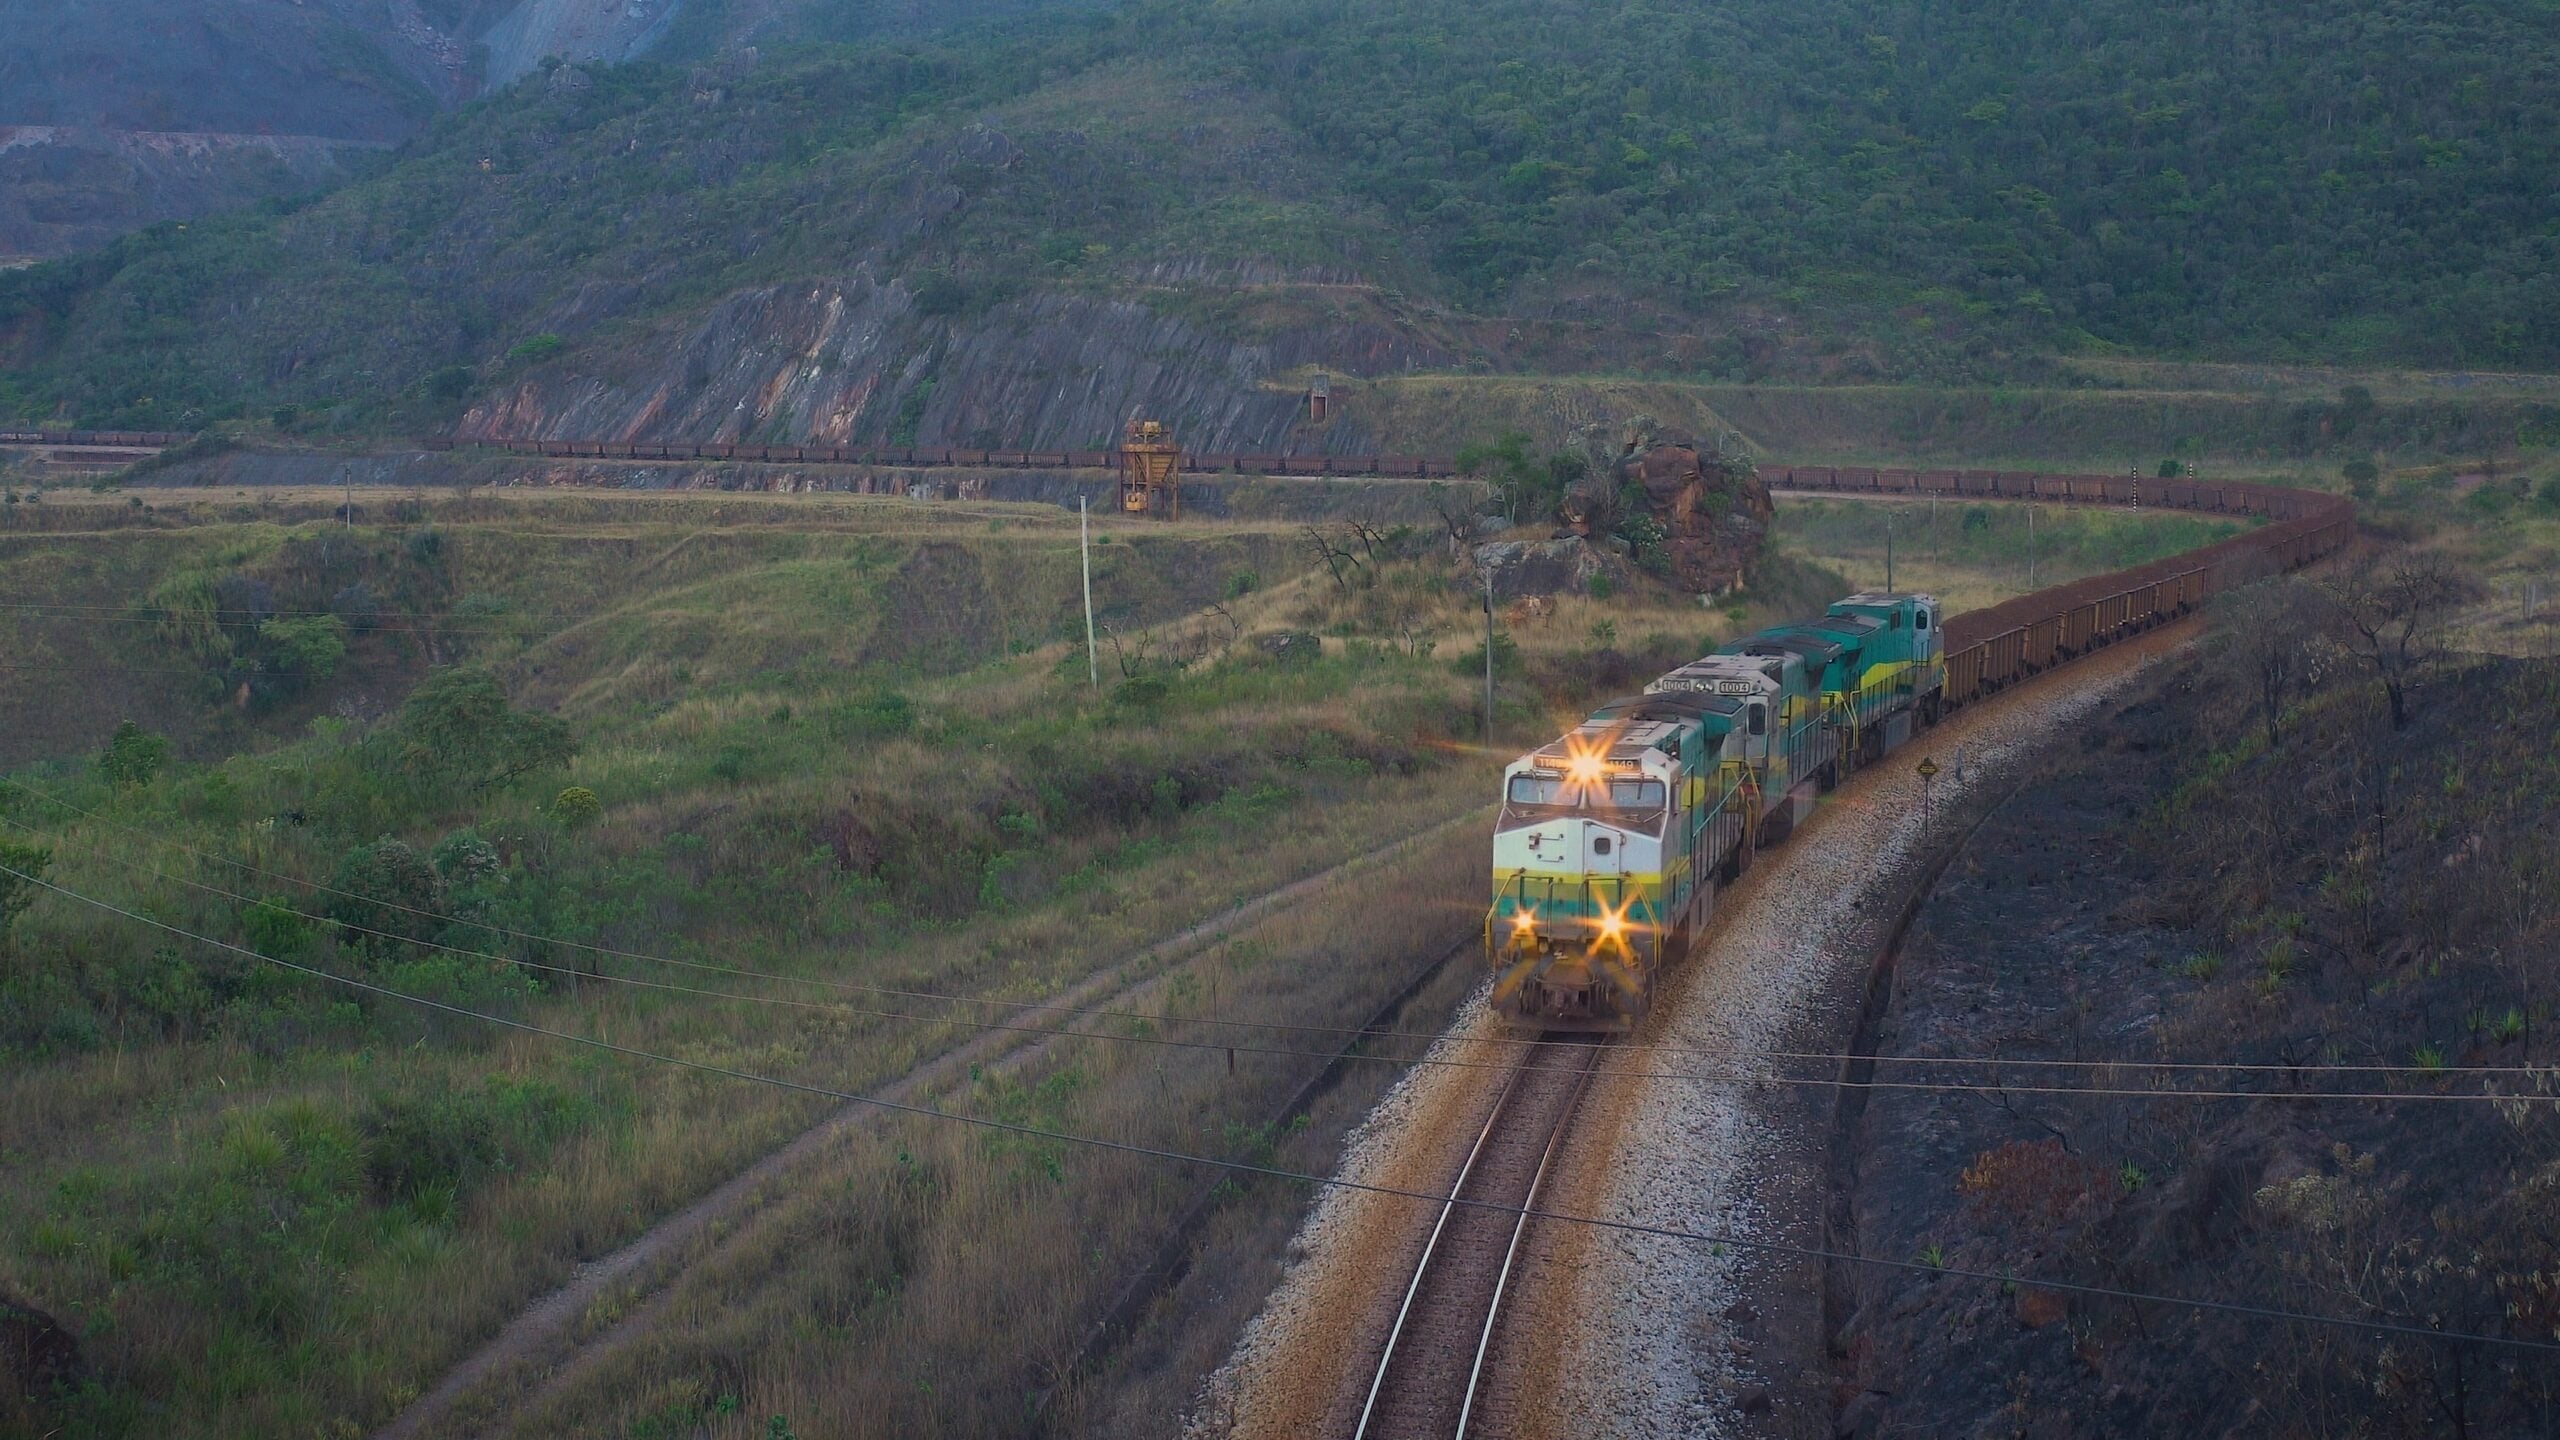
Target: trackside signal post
[(1928, 770)]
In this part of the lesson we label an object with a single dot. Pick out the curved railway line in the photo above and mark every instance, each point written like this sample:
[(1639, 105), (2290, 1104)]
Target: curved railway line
[(1431, 1370)]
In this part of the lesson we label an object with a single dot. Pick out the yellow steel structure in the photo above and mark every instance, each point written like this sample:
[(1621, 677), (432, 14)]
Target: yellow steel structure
[(1150, 470)]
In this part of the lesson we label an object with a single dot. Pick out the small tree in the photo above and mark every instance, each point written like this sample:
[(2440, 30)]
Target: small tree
[(459, 724), (22, 867), (2393, 610), (2270, 631), (576, 807), (133, 756), (1527, 487)]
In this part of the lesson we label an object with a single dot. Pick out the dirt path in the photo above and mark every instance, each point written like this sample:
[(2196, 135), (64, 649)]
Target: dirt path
[(1647, 1337), (538, 1351)]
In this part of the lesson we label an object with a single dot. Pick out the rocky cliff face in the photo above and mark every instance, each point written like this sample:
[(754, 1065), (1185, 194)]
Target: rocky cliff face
[(607, 30), (865, 361), (1715, 507)]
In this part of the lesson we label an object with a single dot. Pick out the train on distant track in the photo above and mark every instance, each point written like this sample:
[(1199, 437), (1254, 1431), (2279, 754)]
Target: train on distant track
[(1615, 839)]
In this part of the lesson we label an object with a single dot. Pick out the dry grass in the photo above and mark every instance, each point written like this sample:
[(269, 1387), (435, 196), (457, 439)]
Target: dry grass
[(928, 1280)]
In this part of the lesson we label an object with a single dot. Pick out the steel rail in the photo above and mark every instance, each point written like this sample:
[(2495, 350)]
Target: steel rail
[(1439, 1227), (1519, 1229)]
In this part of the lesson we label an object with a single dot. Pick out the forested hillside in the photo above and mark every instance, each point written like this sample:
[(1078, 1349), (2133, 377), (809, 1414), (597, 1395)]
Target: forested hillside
[(1821, 190)]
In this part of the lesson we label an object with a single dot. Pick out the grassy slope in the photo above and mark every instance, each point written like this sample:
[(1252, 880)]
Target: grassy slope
[(261, 1207)]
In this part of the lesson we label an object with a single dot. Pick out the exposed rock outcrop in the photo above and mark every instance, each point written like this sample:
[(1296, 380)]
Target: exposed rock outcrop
[(1563, 566), (1707, 502), (863, 361)]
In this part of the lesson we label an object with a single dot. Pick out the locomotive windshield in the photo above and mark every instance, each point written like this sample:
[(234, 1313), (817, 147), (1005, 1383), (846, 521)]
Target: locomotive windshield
[(1636, 794), (1629, 793), (1537, 790)]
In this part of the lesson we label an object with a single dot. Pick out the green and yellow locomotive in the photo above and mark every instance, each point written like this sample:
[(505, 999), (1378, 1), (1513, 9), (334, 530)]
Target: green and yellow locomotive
[(1616, 838)]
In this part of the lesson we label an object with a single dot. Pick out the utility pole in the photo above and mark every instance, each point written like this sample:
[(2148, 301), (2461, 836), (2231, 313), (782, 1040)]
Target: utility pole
[(1888, 549), (1084, 543), (347, 477), (1488, 654), (2031, 547)]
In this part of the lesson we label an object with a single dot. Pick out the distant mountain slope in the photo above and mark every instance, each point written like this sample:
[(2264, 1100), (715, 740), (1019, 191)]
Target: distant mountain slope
[(1015, 231), (118, 113)]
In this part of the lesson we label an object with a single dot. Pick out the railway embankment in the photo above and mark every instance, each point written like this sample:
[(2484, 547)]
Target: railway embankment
[(2357, 911)]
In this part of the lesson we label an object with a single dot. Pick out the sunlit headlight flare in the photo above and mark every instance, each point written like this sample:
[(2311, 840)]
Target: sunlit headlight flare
[(1613, 926), (1583, 763)]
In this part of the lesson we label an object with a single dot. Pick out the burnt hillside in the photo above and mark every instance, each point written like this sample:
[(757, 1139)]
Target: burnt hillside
[(2178, 891)]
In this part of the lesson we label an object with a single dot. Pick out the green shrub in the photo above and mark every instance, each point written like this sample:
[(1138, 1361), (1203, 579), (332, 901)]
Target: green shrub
[(534, 349), (273, 929), (133, 756), (21, 866), (576, 807), (874, 717), (415, 1146), (458, 726), (1143, 691), (382, 890), (1506, 658)]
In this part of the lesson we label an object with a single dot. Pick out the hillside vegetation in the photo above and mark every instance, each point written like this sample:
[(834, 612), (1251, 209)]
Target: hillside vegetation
[(839, 740), (1745, 191)]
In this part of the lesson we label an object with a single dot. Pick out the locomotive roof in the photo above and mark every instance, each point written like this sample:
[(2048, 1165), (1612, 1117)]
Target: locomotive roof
[(1878, 597), (1671, 705), (1628, 741), (1815, 647)]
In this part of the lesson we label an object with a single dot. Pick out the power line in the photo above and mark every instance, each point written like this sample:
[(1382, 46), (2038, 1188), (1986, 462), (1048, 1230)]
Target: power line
[(1727, 1077), (1625, 1047), (1274, 1172)]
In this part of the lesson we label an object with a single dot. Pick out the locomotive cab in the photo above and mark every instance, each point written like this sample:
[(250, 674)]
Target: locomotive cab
[(1907, 649), (1579, 868)]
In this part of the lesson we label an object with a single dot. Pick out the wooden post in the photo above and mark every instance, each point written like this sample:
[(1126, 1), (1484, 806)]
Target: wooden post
[(1084, 543)]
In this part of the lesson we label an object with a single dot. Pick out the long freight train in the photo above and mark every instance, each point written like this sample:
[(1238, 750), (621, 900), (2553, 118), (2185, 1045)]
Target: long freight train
[(1615, 839)]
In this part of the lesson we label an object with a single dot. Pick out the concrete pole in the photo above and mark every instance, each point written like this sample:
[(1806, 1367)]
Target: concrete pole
[(1084, 543), (1488, 655)]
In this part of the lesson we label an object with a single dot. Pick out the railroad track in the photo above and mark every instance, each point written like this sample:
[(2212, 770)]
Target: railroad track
[(1430, 1377)]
